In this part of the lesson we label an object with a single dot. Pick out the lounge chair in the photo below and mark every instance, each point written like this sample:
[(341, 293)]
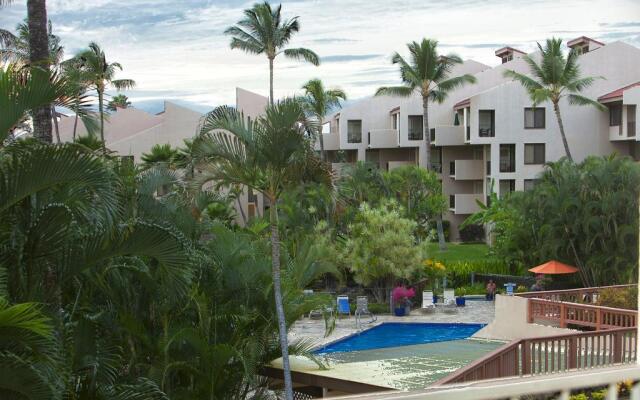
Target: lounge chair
[(449, 297), (427, 301), (362, 308), (343, 305)]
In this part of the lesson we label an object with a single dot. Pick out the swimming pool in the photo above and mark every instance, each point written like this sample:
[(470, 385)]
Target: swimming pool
[(396, 334)]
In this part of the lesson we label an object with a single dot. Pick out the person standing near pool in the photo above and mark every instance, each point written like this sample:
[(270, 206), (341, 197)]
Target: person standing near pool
[(491, 290)]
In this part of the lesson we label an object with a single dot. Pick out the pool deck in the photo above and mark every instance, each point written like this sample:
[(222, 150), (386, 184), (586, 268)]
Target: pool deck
[(479, 312)]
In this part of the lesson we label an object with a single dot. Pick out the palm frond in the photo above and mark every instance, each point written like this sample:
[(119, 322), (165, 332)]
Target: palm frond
[(576, 99), (303, 54), (400, 91)]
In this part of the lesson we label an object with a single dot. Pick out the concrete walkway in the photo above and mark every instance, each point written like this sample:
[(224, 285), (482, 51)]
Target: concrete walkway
[(479, 312)]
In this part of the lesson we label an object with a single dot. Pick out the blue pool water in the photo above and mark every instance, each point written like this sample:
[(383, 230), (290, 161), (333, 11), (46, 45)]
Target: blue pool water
[(394, 334)]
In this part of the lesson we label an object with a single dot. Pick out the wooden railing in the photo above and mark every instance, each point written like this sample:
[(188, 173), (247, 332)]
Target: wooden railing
[(581, 295), (562, 314), (551, 354)]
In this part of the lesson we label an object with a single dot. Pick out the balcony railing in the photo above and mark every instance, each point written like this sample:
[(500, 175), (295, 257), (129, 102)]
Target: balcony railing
[(449, 135), (563, 313), (552, 354), (467, 170), (581, 295), (486, 132), (383, 138), (563, 384)]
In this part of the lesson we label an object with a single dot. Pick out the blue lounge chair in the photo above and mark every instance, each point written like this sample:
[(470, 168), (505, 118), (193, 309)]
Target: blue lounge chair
[(343, 305)]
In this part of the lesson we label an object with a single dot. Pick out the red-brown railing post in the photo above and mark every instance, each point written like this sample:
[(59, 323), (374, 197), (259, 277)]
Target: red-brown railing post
[(598, 319), (573, 352), (526, 358), (617, 347), (563, 309), (530, 311)]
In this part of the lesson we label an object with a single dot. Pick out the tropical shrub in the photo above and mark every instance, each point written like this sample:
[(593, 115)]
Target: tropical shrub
[(472, 233), (583, 214), (619, 298), (380, 248)]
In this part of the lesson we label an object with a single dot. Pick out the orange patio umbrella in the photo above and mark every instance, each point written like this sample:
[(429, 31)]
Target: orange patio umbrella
[(554, 267)]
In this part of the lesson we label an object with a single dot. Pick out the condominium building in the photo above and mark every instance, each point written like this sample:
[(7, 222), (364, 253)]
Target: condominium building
[(488, 135), (133, 132)]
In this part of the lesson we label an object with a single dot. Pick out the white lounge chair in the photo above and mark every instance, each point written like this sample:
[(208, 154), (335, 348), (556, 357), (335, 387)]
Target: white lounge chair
[(449, 297), (362, 308), (427, 299)]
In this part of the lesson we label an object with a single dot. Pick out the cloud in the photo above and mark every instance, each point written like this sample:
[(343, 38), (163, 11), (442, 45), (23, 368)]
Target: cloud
[(634, 24), (177, 49), (349, 57)]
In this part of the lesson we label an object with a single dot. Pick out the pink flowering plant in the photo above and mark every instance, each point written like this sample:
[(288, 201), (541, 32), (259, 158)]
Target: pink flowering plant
[(402, 295)]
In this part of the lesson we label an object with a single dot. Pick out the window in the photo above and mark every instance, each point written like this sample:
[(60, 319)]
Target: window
[(507, 158), (487, 119), (452, 201), (534, 153), (507, 186), (415, 127), (436, 159), (456, 119), (529, 184), (534, 118), (615, 115), (354, 131), (395, 117)]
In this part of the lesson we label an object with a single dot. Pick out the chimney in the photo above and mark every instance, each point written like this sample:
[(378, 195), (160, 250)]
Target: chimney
[(507, 54), (584, 44)]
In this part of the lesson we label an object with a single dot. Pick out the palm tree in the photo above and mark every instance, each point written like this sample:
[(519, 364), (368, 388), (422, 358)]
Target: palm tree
[(118, 101), (39, 56), (556, 77), (263, 31), (268, 155), (23, 90), (17, 49), (428, 74), (318, 102), (160, 154), (101, 73)]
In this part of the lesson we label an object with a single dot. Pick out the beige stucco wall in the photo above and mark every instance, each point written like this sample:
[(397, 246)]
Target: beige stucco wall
[(510, 322)]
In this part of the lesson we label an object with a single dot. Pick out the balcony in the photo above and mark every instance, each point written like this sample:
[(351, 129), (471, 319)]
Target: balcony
[(467, 170), (631, 129), (465, 203), (331, 141), (383, 138), (449, 135)]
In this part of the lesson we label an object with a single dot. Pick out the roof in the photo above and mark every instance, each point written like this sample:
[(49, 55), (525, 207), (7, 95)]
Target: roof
[(616, 94), (577, 40), (507, 49), (462, 104), (394, 110)]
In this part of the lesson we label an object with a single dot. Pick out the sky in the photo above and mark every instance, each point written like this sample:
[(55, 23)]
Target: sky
[(177, 50)]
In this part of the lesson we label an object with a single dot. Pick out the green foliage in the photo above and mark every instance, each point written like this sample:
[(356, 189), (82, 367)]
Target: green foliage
[(419, 192), (583, 214), (160, 154), (118, 101), (619, 298), (381, 248)]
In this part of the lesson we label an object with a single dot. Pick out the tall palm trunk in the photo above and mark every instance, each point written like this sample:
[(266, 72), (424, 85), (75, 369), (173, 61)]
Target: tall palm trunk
[(39, 56), (556, 108), (55, 123), (427, 140), (101, 110), (271, 80), (75, 126), (244, 217), (277, 291), (323, 155)]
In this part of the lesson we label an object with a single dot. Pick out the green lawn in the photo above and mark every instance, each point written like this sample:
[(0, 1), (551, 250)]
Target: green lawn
[(459, 252)]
